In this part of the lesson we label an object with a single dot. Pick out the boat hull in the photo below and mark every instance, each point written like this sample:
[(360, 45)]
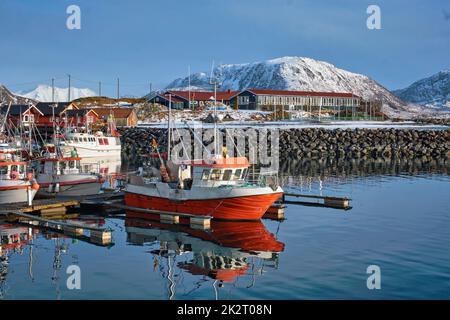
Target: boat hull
[(15, 194), (251, 207), (94, 151), (69, 187)]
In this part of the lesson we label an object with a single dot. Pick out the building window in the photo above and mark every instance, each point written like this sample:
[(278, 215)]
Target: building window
[(243, 99)]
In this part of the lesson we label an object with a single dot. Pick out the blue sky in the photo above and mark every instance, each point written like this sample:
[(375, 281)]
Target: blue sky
[(143, 41)]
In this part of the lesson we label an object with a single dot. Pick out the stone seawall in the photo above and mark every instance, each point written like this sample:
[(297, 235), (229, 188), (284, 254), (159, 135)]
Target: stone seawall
[(316, 143)]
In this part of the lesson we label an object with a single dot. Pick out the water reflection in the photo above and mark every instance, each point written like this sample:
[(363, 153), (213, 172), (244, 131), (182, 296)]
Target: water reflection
[(15, 237), (344, 168), (224, 253)]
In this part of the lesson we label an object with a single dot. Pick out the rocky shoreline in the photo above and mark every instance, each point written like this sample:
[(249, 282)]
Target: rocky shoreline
[(316, 143)]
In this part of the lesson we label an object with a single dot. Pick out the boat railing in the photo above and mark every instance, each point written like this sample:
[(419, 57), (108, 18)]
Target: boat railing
[(90, 167), (262, 177)]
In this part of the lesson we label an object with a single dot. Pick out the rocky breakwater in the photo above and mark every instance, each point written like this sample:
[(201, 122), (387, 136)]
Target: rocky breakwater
[(137, 143), (357, 143), (316, 143)]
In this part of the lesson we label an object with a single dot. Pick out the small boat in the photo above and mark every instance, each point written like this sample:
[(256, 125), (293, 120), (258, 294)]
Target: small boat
[(220, 189), (88, 145), (16, 183), (63, 176), (218, 186)]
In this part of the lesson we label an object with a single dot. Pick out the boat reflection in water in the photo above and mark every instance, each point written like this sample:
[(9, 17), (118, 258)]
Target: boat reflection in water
[(14, 238), (223, 253)]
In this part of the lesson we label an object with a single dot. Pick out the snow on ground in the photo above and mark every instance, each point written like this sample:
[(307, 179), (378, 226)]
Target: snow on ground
[(231, 118)]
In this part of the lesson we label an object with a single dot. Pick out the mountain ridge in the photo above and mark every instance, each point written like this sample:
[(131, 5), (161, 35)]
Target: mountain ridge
[(296, 73), (432, 91)]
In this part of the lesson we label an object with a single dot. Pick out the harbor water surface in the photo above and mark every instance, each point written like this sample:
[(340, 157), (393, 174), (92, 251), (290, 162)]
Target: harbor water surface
[(399, 222)]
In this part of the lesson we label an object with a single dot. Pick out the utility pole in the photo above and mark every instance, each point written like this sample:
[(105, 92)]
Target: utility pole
[(189, 93), (68, 94), (118, 88), (53, 89), (69, 90), (99, 88)]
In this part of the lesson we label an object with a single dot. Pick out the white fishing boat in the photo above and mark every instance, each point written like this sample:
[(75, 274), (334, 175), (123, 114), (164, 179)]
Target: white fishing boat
[(62, 176), (87, 145), (16, 184), (92, 145)]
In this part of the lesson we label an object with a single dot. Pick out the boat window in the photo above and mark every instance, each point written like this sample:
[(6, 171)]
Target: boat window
[(14, 168), (71, 164), (244, 173), (215, 174), (21, 169), (100, 141), (237, 174), (205, 174), (227, 174), (62, 165), (3, 169), (105, 140), (85, 139)]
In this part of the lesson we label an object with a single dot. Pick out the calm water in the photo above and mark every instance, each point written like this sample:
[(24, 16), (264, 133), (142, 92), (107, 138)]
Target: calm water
[(399, 221)]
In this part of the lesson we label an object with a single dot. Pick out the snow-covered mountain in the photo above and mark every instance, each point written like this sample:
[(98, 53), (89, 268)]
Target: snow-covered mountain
[(296, 73), (43, 93), (7, 96), (433, 91)]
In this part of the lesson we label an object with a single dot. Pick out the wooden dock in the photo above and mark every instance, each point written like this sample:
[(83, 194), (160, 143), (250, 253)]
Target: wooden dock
[(327, 201), (195, 221), (58, 205)]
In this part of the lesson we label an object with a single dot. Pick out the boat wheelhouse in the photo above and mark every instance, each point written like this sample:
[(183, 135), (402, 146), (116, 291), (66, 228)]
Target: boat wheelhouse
[(16, 183), (63, 176)]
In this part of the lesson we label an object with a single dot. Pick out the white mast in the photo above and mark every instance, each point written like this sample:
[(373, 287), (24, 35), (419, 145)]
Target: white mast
[(168, 127), (320, 107), (189, 87), (215, 109)]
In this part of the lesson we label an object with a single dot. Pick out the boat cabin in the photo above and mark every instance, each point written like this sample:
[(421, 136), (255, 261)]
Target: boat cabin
[(13, 170), (213, 173), (91, 140), (61, 166)]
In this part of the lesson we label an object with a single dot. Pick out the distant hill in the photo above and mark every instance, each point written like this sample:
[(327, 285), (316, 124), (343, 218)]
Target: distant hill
[(433, 91), (43, 93), (105, 101)]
